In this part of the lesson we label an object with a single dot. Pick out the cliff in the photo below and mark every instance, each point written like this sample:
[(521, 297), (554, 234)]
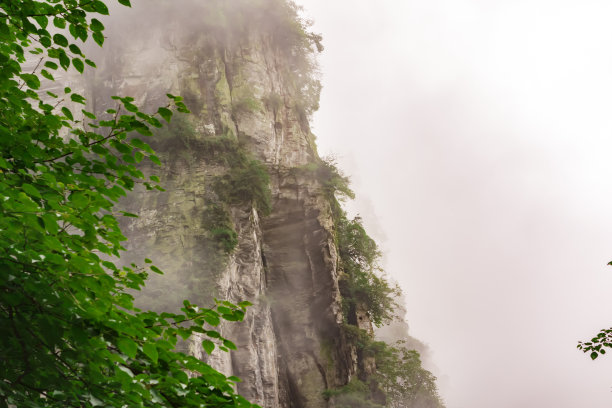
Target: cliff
[(249, 211)]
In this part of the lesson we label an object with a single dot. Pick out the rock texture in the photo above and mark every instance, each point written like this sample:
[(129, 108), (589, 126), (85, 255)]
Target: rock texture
[(290, 348)]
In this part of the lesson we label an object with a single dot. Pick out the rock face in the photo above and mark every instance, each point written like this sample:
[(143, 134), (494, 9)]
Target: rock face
[(250, 95)]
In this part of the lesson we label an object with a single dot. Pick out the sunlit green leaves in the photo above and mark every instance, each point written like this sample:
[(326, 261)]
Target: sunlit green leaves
[(165, 113), (78, 64), (151, 351), (96, 25), (208, 346), (60, 40), (66, 318), (598, 344), (127, 346)]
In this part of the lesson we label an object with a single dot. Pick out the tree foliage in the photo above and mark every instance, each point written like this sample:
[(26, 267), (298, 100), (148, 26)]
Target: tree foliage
[(364, 285), (399, 374), (598, 344), (69, 332)]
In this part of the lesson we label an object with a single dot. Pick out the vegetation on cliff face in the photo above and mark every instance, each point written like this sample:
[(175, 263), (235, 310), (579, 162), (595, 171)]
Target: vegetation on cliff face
[(395, 376), (363, 286), (69, 332)]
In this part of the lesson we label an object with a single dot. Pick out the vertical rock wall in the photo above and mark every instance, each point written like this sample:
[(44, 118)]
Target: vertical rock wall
[(290, 348)]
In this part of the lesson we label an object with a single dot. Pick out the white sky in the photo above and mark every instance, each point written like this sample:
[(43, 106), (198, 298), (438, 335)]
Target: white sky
[(478, 135)]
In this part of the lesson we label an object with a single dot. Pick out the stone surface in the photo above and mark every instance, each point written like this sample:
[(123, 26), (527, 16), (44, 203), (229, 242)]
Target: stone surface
[(290, 345)]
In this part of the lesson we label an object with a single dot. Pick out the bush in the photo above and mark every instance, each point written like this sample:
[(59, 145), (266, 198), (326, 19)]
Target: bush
[(246, 104), (335, 184), (217, 220), (399, 373), (178, 135), (272, 101), (363, 285), (355, 394), (248, 183)]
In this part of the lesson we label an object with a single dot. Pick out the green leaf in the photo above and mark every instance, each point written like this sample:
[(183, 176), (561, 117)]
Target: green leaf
[(229, 345), (79, 200), (150, 351), (67, 113), (90, 63), (47, 75), (78, 64), (42, 21), (127, 346), (156, 270), (64, 60), (50, 221), (594, 355), (212, 319), (96, 25), (213, 334), (45, 41), (31, 190), (59, 22), (125, 3), (208, 346), (100, 7), (98, 38), (31, 80), (51, 65), (77, 98), (60, 40), (88, 114), (165, 113), (75, 50)]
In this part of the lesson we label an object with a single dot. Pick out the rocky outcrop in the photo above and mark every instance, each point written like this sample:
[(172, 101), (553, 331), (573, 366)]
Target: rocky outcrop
[(249, 99)]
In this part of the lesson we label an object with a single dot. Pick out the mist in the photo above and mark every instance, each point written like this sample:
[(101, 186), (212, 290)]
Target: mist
[(477, 135)]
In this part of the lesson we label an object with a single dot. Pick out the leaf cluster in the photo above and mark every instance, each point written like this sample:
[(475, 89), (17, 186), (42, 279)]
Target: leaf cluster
[(598, 344), (355, 394), (399, 373), (218, 221), (363, 285), (335, 185), (69, 332), (246, 182)]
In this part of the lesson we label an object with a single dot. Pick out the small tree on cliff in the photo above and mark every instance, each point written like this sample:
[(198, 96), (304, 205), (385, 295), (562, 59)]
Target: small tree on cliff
[(69, 333)]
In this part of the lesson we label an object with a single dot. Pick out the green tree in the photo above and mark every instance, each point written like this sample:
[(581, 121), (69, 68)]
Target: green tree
[(363, 285), (69, 332)]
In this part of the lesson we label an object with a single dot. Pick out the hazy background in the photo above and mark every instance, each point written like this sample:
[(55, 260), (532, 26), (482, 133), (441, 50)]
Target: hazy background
[(478, 135)]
